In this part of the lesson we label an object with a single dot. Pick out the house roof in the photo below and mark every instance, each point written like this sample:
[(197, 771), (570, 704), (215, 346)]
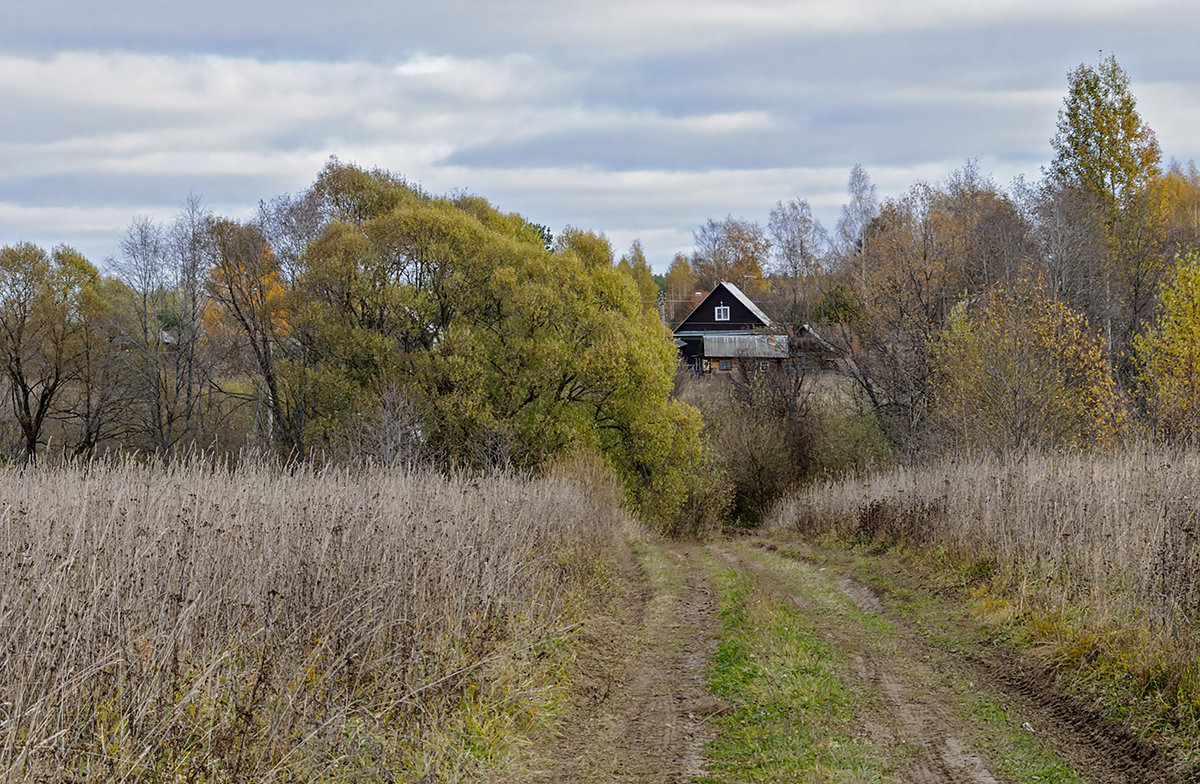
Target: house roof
[(737, 294), (735, 291), (808, 337)]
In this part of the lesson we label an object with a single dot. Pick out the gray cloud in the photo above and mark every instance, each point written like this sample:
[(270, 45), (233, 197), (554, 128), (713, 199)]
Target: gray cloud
[(636, 117)]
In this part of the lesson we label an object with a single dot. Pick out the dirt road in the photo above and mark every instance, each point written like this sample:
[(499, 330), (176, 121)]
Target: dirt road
[(640, 712), (933, 700)]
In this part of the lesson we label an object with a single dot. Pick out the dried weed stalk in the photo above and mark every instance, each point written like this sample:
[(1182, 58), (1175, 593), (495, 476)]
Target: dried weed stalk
[(191, 624), (1099, 555)]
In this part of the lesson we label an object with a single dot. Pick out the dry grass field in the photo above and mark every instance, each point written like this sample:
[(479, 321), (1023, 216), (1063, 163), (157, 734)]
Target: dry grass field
[(1094, 558), (250, 624)]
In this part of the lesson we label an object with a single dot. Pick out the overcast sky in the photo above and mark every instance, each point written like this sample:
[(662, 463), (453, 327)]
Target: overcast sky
[(638, 118)]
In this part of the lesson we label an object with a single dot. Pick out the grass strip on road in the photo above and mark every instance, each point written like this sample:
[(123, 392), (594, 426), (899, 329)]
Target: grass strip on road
[(792, 713), (823, 690)]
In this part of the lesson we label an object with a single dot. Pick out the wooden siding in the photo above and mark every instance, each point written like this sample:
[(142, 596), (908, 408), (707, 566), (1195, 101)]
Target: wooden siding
[(703, 318)]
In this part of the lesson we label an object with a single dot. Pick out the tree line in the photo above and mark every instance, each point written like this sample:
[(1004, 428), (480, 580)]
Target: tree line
[(360, 319), (1055, 313), (364, 318)]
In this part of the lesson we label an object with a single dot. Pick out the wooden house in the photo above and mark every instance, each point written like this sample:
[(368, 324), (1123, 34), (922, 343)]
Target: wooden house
[(725, 312), (726, 329)]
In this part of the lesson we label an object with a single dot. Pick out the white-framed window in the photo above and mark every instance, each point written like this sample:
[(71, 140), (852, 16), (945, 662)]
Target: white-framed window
[(722, 313), (726, 364), (763, 366)]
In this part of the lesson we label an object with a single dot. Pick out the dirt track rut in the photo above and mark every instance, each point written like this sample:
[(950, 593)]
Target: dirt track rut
[(642, 710), (910, 717)]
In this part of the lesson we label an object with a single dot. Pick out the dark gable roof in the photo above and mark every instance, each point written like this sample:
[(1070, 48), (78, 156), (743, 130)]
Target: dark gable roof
[(735, 291), (723, 289)]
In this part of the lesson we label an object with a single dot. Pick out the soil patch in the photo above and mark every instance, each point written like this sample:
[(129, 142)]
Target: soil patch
[(640, 709)]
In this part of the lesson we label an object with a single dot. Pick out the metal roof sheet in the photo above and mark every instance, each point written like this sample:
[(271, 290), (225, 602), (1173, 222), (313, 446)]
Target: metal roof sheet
[(748, 346)]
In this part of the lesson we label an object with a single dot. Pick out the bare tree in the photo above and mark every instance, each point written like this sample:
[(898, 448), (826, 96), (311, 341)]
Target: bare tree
[(858, 213), (390, 431), (1069, 247), (191, 250), (163, 270), (291, 224), (800, 243), (990, 235)]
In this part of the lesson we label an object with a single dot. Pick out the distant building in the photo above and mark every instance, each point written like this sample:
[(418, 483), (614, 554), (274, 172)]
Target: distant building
[(726, 328), (722, 352)]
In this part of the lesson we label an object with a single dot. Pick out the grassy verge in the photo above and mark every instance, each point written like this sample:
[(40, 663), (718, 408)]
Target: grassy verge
[(1092, 560), (792, 713)]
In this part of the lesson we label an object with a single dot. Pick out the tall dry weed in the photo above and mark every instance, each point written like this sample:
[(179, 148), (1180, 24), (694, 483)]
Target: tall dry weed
[(1124, 527), (194, 624), (1104, 550)]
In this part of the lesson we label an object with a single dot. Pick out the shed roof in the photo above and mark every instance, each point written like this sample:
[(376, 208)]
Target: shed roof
[(809, 340), (747, 346)]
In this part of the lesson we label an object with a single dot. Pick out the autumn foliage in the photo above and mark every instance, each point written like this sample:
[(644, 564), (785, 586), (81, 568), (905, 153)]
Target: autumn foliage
[(1017, 369), (1168, 355), (362, 320)]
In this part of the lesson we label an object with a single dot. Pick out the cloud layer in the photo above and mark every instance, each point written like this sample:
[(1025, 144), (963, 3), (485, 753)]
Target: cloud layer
[(640, 119)]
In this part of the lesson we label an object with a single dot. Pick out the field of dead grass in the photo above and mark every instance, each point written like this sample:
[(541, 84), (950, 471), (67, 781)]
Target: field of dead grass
[(200, 624), (1094, 558)]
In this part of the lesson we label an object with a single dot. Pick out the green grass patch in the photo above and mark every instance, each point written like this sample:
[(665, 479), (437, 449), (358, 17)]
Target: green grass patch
[(791, 713), (1015, 752), (935, 611), (1125, 667), (818, 585)]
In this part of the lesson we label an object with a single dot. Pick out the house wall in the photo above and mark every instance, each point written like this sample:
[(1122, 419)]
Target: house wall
[(692, 348), (731, 365)]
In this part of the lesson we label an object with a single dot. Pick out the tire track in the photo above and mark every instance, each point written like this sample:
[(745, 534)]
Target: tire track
[(908, 719), (1103, 752), (642, 701)]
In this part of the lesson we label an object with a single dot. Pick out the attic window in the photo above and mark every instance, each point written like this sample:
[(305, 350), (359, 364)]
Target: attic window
[(722, 313)]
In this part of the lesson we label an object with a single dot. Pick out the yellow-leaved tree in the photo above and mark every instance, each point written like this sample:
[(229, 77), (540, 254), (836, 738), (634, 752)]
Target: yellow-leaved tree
[(450, 329), (1168, 355), (1017, 369), (634, 265), (1106, 153), (43, 316)]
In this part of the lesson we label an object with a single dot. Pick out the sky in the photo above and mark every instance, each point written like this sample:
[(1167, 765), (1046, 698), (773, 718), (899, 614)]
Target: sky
[(637, 118)]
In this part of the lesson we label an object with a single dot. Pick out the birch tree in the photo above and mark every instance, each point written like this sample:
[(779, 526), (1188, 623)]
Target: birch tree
[(1103, 147)]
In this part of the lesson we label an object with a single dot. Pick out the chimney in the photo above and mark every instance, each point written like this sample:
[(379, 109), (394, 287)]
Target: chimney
[(697, 297)]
